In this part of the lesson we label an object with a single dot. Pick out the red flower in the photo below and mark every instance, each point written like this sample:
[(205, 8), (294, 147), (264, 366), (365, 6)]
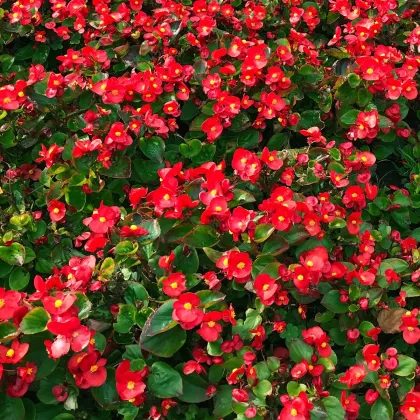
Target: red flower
[(58, 304), (165, 261), (411, 407), (135, 195), (353, 376), (301, 277), (271, 159), (240, 395), (69, 334), (266, 287), (210, 329), (350, 404), (57, 210), (409, 327), (9, 303), (213, 128), (186, 312), (49, 155), (370, 67), (17, 387), (103, 219), (236, 265), (295, 408), (319, 338), (353, 223), (15, 353), (246, 164), (132, 231), (27, 373), (354, 197), (130, 384), (193, 367), (91, 370), (174, 284), (373, 362)]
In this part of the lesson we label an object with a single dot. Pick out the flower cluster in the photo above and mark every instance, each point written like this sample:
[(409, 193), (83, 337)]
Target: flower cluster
[(210, 209)]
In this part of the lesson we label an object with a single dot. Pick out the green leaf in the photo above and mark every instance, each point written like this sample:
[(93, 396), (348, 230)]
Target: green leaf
[(396, 264), (263, 232), (209, 298), (7, 331), (106, 394), (186, 260), (202, 236), (38, 354), (299, 350), (278, 141), (125, 318), (191, 148), (332, 302), (310, 119), (132, 352), (13, 254), (19, 279), (126, 248), (194, 388), (35, 321), (30, 410), (134, 293), (273, 363), (212, 254), (11, 408), (353, 79), (381, 410), (121, 168), (364, 327), (216, 373), (412, 290), (406, 366), (160, 321), (153, 148), (384, 122), (364, 96), (153, 227), (165, 344), (83, 304), (164, 381), (76, 197), (334, 408), (223, 402), (46, 385), (275, 245), (349, 117), (263, 389), (294, 388)]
